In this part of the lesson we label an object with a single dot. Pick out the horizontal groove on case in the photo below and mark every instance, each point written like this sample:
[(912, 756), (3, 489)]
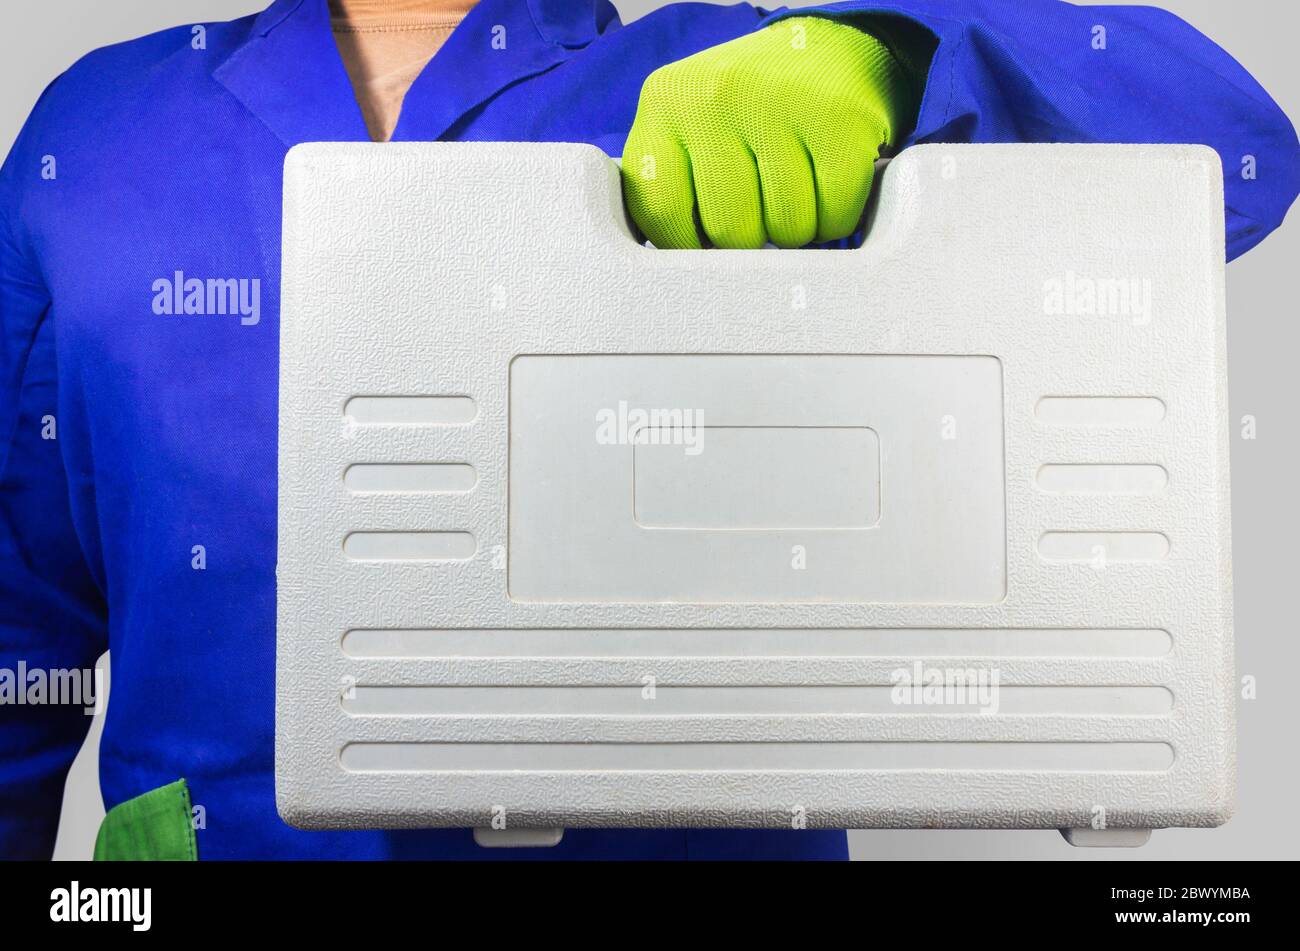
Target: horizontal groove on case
[(1100, 410), (426, 757), (1085, 479), (409, 546), (1100, 548), (452, 643), (410, 410), (410, 477), (628, 700)]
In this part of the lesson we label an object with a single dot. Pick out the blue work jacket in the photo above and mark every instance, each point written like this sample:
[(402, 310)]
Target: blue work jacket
[(130, 438)]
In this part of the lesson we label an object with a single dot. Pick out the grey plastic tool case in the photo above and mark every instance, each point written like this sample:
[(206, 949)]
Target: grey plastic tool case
[(577, 532)]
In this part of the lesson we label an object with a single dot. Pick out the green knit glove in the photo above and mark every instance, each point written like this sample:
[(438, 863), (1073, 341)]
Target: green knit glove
[(771, 137)]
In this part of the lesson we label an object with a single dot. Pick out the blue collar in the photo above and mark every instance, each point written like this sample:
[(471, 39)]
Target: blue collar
[(289, 73)]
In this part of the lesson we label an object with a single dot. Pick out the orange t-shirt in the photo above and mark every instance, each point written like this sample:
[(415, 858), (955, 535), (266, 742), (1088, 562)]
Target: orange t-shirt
[(385, 44)]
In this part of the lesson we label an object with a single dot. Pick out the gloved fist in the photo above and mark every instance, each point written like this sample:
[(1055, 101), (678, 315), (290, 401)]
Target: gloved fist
[(771, 137)]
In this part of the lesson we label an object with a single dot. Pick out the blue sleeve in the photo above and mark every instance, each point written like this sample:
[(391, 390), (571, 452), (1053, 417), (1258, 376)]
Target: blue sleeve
[(1047, 71), (51, 612)]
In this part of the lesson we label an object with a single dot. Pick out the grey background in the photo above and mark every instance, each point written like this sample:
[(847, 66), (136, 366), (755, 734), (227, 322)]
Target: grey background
[(42, 39)]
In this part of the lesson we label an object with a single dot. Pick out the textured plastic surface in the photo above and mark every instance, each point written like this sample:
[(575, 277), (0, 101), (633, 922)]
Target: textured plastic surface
[(992, 441)]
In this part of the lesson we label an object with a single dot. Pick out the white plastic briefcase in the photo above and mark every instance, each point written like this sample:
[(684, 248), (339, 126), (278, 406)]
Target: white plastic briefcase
[(577, 532)]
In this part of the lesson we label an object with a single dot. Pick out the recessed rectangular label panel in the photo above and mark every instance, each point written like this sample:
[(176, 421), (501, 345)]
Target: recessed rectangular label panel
[(757, 479), (754, 477)]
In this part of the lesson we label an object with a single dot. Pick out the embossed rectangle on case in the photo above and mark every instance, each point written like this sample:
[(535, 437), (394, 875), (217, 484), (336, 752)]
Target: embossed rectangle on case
[(763, 457)]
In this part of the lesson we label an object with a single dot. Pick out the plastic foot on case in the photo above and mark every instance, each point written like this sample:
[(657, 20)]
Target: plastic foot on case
[(1107, 838), (518, 838)]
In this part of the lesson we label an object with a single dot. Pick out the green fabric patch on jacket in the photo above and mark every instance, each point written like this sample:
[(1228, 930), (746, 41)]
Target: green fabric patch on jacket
[(156, 826)]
